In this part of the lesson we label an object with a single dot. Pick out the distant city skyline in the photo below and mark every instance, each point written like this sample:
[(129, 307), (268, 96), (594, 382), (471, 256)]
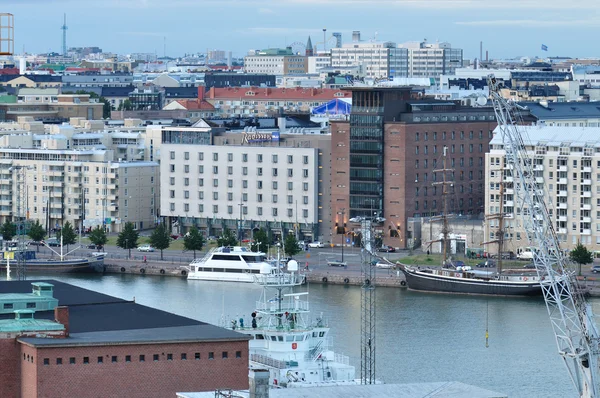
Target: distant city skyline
[(508, 28)]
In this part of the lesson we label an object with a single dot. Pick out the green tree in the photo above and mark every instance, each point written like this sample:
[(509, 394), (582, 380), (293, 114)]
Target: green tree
[(193, 241), (290, 245), (228, 238), (98, 236), (128, 238), (126, 105), (261, 241), (160, 239), (37, 233), (8, 230), (68, 234), (581, 255)]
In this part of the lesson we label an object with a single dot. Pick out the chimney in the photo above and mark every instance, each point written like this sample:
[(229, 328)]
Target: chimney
[(356, 36), (259, 383), (201, 92), (61, 315)]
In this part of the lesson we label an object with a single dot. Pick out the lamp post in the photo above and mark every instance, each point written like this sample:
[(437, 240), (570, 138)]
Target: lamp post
[(343, 213)]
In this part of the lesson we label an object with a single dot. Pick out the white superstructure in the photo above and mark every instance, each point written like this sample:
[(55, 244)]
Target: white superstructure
[(228, 264)]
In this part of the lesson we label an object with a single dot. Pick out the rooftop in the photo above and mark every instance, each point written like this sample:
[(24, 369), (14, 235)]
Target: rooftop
[(555, 136), (563, 110)]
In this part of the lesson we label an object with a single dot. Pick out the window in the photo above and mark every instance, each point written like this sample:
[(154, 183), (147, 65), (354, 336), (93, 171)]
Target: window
[(172, 168), (274, 158), (259, 158), (183, 354), (244, 171), (230, 157), (201, 169), (169, 357), (290, 172), (86, 360), (274, 199), (224, 355), (155, 357), (275, 172), (259, 171), (114, 358), (186, 155), (127, 358), (46, 361), (172, 154), (274, 212), (244, 159), (229, 183), (290, 186), (305, 159), (305, 186), (290, 199), (215, 157), (142, 358), (211, 355), (186, 168), (59, 361), (274, 185), (197, 356), (230, 170), (290, 159), (72, 361), (100, 359), (238, 354), (215, 169), (215, 182)]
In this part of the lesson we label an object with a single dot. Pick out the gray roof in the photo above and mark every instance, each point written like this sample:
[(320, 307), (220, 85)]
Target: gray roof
[(564, 110), (452, 389), (554, 135), (181, 334)]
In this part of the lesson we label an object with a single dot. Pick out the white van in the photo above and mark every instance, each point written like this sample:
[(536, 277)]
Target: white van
[(525, 253)]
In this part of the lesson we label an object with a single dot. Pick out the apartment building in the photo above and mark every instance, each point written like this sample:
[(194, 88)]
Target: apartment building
[(432, 59), (216, 180), (377, 59), (276, 61), (567, 165), (386, 160), (43, 179)]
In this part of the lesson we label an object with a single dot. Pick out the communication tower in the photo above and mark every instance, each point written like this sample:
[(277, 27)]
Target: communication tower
[(64, 35)]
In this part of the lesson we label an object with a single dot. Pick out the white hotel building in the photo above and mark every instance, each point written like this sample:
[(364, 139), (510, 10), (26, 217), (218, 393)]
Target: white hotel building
[(212, 180), (567, 164)]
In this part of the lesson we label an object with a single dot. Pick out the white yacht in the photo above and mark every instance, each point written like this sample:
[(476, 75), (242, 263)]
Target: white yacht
[(296, 352), (231, 264)]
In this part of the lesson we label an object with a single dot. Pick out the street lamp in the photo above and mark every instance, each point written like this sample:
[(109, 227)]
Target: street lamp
[(343, 213)]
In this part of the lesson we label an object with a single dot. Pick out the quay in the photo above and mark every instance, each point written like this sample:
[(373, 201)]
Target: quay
[(333, 276)]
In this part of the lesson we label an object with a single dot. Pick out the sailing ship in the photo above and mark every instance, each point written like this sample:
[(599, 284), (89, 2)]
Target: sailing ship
[(295, 351), (462, 279)]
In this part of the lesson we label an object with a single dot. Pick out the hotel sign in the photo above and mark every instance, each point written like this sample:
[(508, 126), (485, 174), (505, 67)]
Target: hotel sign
[(250, 138)]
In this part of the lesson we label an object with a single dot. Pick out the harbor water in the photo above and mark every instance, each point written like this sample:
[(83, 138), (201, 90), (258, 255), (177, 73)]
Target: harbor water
[(419, 337)]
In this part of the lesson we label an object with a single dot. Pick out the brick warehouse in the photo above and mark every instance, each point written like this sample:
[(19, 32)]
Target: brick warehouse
[(384, 157), (108, 347)]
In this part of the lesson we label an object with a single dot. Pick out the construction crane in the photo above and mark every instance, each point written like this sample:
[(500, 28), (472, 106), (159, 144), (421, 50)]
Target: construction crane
[(571, 316)]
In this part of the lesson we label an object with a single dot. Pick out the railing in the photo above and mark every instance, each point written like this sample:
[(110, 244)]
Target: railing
[(265, 360), (285, 307), (205, 258)]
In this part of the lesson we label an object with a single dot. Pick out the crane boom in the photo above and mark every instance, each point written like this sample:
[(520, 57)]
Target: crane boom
[(571, 316)]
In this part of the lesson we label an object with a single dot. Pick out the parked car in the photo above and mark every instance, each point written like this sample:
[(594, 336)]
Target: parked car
[(384, 265), (529, 266), (387, 249), (53, 242), (595, 269), (36, 243), (316, 244), (487, 264), (145, 248)]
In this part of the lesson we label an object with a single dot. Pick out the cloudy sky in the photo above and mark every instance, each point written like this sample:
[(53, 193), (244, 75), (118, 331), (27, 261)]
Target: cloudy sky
[(508, 28)]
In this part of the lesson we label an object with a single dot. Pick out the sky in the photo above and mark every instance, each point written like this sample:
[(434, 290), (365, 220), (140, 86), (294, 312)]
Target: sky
[(508, 28)]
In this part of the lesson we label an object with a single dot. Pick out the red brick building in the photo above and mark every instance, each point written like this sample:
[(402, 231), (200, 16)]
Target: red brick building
[(110, 347), (384, 160)]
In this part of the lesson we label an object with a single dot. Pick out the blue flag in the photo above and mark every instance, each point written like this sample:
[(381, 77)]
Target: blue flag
[(544, 47)]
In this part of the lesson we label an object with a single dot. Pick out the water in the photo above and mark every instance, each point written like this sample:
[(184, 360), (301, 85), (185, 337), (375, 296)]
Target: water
[(420, 337)]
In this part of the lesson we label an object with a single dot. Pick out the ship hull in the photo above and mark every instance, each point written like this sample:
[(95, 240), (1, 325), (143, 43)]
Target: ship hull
[(430, 282), (83, 265)]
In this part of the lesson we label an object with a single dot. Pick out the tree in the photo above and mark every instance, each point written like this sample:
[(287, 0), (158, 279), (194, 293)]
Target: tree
[(290, 245), (261, 241), (160, 239), (581, 255), (126, 105), (98, 236), (193, 241), (37, 233), (68, 234), (228, 238), (8, 230), (128, 238)]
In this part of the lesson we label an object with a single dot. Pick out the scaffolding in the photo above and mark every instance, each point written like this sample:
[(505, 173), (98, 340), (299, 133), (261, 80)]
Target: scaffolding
[(7, 34)]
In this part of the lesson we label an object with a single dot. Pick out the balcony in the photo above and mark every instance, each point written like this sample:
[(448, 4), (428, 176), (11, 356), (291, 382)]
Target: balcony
[(539, 167), (562, 168), (586, 182), (586, 194), (562, 193), (509, 191), (55, 193), (508, 179), (586, 219), (6, 191), (539, 180), (562, 218), (586, 207), (586, 169), (509, 203), (586, 232), (562, 231), (561, 205), (562, 181)]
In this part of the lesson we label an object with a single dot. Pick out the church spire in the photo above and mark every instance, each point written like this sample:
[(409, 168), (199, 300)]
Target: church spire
[(309, 48)]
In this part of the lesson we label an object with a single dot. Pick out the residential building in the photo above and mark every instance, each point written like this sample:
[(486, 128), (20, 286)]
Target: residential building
[(261, 178), (229, 79), (73, 342), (565, 114), (387, 158), (377, 59), (150, 98), (318, 62), (37, 95), (276, 61), (66, 107), (432, 59), (566, 162), (83, 81), (260, 101)]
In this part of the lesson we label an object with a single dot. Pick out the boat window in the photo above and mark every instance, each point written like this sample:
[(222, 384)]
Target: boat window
[(289, 338), (225, 257), (259, 337), (280, 338), (321, 334), (253, 259), (255, 271), (273, 338), (300, 337), (314, 334)]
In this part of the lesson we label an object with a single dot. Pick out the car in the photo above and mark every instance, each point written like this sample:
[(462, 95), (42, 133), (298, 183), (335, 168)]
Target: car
[(53, 242), (384, 265), (145, 248), (486, 264), (336, 263), (529, 266), (595, 269), (316, 244), (387, 249), (36, 243)]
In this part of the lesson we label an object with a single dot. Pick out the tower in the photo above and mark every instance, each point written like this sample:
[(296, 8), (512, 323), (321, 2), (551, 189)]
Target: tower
[(7, 35), (64, 38), (309, 48)]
